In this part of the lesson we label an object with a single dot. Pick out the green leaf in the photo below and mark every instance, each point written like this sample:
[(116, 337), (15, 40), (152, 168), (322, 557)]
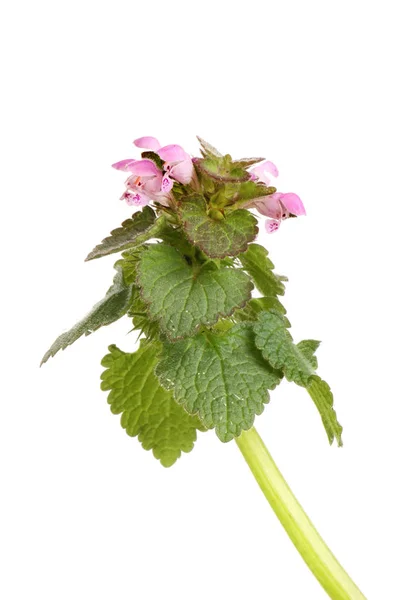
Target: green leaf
[(256, 262), (217, 239), (133, 232), (221, 171), (208, 149), (109, 309), (183, 296), (255, 306), (245, 163), (277, 347), (175, 236), (308, 349), (298, 363), (128, 263), (148, 410), (323, 398), (138, 311), (220, 377), (250, 190)]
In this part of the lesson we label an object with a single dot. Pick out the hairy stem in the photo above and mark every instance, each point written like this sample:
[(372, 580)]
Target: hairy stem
[(323, 564)]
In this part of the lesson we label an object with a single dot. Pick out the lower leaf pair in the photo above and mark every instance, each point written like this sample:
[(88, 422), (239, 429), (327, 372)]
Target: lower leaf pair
[(212, 380)]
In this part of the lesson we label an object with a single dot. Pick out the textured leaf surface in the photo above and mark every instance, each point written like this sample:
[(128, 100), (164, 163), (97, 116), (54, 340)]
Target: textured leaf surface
[(308, 348), (148, 410), (222, 378), (133, 232), (250, 190), (113, 306), (221, 170), (208, 149), (184, 297), (138, 311), (256, 262), (277, 347), (323, 398), (217, 239), (255, 306)]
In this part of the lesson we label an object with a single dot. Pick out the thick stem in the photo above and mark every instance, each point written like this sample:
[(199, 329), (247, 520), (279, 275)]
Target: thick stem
[(326, 568)]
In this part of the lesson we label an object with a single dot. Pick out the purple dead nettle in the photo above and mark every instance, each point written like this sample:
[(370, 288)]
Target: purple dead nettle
[(147, 181), (277, 206)]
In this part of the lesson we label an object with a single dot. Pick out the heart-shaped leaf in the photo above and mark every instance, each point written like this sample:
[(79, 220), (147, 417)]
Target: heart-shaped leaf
[(183, 296), (222, 378), (217, 238)]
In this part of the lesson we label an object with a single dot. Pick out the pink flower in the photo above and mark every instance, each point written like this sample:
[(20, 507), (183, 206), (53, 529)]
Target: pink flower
[(144, 184), (277, 206), (178, 164)]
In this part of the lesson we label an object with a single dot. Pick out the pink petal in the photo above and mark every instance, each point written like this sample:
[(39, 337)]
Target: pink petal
[(135, 198), (270, 167), (144, 167), (271, 226), (172, 153), (270, 206), (182, 171), (167, 184), (148, 142), (153, 185), (124, 165), (293, 204), (267, 167)]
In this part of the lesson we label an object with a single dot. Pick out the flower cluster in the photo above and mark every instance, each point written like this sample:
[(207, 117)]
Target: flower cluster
[(151, 179), (147, 181)]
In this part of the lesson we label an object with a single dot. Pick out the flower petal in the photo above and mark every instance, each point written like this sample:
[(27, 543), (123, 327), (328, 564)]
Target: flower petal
[(266, 167), (167, 184), (147, 142), (270, 167), (272, 226), (269, 206), (124, 165), (172, 153), (144, 167), (293, 204), (152, 185), (134, 198), (182, 171)]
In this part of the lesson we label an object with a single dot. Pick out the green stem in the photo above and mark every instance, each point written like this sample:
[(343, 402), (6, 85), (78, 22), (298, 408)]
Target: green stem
[(326, 568)]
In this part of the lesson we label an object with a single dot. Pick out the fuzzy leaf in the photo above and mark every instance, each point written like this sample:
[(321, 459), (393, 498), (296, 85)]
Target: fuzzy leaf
[(218, 239), (148, 410), (245, 163), (255, 306), (250, 190), (182, 297), (138, 311), (256, 262), (220, 377), (277, 347), (133, 232), (308, 348), (221, 171), (323, 398), (113, 306), (208, 149)]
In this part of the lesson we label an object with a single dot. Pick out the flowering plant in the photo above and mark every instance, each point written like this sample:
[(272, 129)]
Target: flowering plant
[(210, 351)]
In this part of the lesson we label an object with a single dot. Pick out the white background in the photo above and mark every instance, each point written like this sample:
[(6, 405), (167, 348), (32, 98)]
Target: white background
[(85, 512)]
